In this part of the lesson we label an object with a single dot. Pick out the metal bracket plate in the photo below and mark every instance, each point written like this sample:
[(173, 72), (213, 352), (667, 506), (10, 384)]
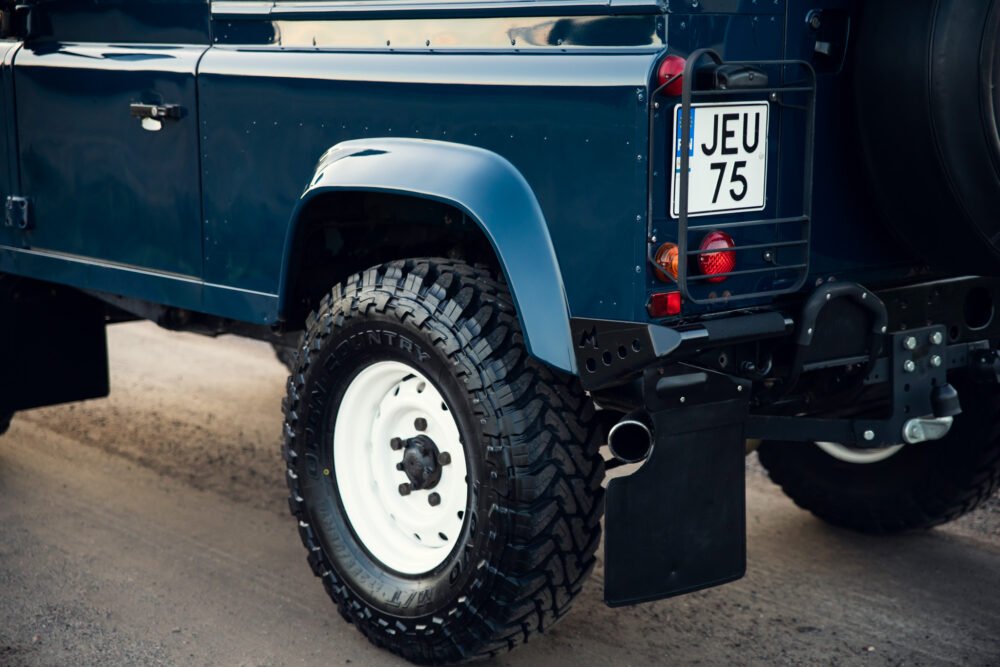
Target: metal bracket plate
[(917, 366), (17, 213)]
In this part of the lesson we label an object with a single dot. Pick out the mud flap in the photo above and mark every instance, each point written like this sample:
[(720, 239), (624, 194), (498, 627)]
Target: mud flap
[(678, 524), (52, 345)]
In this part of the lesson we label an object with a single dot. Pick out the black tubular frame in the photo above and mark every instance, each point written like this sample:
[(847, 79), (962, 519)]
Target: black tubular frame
[(774, 94)]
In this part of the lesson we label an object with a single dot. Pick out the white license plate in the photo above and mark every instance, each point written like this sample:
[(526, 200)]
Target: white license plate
[(728, 158)]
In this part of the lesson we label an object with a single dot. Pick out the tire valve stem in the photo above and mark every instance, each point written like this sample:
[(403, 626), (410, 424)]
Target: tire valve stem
[(434, 499)]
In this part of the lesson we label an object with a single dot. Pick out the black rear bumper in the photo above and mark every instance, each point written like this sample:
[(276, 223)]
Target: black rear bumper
[(678, 523)]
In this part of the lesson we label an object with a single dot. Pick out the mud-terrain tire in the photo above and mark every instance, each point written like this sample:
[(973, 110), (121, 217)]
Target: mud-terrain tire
[(5, 418), (526, 436), (918, 486), (926, 92)]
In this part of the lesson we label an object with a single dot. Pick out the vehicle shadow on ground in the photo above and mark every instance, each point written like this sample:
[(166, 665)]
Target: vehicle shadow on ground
[(811, 590)]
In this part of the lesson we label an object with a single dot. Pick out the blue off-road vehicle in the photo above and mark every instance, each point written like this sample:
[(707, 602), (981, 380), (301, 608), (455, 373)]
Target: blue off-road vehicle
[(496, 235)]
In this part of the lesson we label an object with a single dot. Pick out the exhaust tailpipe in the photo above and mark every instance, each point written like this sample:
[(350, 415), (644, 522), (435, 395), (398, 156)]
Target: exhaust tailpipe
[(631, 439)]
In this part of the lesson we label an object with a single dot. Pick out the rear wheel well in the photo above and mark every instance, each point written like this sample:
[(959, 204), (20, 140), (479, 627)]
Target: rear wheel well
[(342, 233)]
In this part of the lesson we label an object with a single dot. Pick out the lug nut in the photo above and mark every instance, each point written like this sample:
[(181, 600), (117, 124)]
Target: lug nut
[(400, 467), (910, 343), (869, 435), (420, 424), (444, 458), (396, 443), (937, 338), (909, 366), (936, 361), (404, 489), (434, 499)]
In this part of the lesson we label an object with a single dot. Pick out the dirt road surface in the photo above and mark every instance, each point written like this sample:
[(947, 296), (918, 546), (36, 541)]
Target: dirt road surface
[(151, 528)]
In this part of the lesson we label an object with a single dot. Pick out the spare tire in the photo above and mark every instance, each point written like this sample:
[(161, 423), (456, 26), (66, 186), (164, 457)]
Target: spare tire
[(928, 106)]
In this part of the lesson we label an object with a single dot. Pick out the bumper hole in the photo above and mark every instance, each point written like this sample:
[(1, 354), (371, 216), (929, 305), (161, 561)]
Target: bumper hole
[(978, 308)]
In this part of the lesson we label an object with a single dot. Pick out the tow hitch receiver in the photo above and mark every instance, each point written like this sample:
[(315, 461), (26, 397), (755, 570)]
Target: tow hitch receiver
[(915, 367), (923, 403), (678, 523)]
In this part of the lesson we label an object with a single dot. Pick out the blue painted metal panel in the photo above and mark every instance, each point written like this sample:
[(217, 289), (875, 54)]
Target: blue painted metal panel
[(849, 238), (573, 124), (489, 190), (120, 21), (8, 136), (101, 186), (171, 290), (555, 131)]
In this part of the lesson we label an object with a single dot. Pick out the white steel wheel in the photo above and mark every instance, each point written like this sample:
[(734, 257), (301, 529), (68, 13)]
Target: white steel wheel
[(859, 456), (400, 467)]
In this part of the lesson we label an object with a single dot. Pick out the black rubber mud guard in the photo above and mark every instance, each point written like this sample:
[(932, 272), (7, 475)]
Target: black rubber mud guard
[(52, 345), (678, 524)]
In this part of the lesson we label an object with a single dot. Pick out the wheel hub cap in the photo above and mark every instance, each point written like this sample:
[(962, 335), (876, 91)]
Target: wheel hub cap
[(400, 467), (420, 462)]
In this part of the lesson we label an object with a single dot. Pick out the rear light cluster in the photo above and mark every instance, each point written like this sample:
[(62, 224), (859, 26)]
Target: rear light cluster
[(717, 264), (716, 258), (671, 70)]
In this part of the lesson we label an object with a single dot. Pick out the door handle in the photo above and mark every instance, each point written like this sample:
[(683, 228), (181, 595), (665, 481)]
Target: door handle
[(156, 111)]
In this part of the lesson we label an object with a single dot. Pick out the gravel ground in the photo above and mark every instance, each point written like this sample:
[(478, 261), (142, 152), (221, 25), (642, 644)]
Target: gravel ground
[(150, 528)]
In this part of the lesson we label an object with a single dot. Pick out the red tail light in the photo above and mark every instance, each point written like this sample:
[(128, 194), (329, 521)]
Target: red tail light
[(670, 67), (714, 263), (664, 304)]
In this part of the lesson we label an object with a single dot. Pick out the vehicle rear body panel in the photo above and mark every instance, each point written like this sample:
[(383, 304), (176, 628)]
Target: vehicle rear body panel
[(8, 136), (566, 102), (572, 124)]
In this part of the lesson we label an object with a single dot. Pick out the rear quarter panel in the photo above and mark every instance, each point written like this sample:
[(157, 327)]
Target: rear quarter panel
[(573, 123)]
